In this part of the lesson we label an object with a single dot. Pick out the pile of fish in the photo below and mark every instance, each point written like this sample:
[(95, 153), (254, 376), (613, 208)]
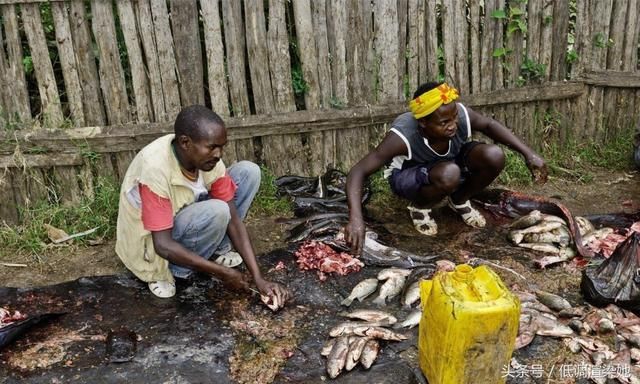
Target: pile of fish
[(550, 234), (321, 257), (354, 342), (583, 329)]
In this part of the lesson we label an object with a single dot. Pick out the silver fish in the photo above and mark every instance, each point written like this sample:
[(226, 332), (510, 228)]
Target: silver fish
[(390, 289), (345, 328), (369, 353), (517, 236), (558, 235), (526, 330), (337, 357), (328, 346), (355, 351), (546, 217), (548, 325), (412, 294), (584, 225), (371, 315), (532, 218), (361, 291), (552, 301), (369, 331), (596, 235), (412, 319), (564, 254), (393, 272), (542, 247), (374, 253)]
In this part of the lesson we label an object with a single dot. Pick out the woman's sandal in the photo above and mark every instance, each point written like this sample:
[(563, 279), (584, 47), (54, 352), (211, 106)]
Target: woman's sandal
[(230, 259), (422, 222), (163, 289), (471, 216)]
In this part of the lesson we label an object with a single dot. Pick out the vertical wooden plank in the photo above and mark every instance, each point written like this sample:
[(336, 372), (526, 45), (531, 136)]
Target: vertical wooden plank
[(491, 67), (421, 41), (51, 109), (8, 206), (600, 32), (148, 39), (414, 16), (86, 181), (320, 27), (20, 106), (110, 68), (618, 29), (582, 32), (86, 64), (319, 14), (534, 23), (233, 34), (140, 83), (258, 56), (217, 78), (476, 45), (432, 41), (546, 50), (308, 52), (64, 42), (386, 43), (104, 169), (514, 45), (462, 46), (123, 159), (186, 39), (309, 61), (630, 53), (5, 99), (166, 59), (367, 57), (560, 30), (234, 40), (448, 17), (402, 6), (338, 55), (280, 71)]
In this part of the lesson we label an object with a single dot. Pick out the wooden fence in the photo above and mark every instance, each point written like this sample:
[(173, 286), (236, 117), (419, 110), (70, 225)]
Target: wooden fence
[(302, 84)]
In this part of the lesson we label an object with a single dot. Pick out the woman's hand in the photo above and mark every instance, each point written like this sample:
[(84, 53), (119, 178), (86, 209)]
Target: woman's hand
[(354, 235), (537, 167)]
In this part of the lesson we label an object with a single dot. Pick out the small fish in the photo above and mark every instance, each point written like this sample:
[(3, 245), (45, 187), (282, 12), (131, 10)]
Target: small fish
[(558, 235), (542, 247), (565, 254), (412, 319), (361, 291), (390, 289), (328, 345), (552, 301), (337, 357), (546, 217), (388, 273), (584, 225), (533, 218), (412, 294), (378, 333), (526, 330), (345, 328), (355, 351), (548, 325), (369, 353), (544, 226), (371, 315)]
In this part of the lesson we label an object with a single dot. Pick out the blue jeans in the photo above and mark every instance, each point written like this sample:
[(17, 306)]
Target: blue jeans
[(201, 227)]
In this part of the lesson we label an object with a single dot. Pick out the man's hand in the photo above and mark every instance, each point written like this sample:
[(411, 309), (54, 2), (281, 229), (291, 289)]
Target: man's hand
[(277, 292), (235, 280), (354, 235), (537, 167)]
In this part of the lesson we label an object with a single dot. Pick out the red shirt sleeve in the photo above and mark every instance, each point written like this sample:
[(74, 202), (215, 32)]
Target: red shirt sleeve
[(224, 188), (157, 214)]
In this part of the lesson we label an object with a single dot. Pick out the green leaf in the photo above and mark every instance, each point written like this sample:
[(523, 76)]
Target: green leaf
[(499, 52), (499, 14), (522, 25), (515, 11)]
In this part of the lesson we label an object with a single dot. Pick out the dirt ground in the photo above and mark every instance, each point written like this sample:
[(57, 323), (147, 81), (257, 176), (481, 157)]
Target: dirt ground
[(609, 192)]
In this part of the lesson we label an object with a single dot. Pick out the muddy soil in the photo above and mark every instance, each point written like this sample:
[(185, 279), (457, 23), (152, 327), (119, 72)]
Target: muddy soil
[(609, 192)]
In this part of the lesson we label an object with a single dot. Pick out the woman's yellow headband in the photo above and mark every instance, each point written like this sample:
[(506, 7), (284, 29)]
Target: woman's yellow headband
[(429, 101)]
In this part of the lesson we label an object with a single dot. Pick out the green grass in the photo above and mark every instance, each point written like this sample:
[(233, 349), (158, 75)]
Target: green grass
[(267, 202), (31, 237), (381, 192)]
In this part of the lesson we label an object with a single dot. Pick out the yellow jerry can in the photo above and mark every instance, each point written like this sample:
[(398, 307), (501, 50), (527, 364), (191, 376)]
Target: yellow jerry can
[(468, 328)]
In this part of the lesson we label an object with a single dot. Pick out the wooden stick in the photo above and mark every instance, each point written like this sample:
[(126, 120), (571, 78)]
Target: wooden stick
[(66, 238)]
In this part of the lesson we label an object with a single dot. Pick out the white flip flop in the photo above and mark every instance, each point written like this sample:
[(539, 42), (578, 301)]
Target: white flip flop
[(471, 216), (163, 289), (230, 259), (422, 222)]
